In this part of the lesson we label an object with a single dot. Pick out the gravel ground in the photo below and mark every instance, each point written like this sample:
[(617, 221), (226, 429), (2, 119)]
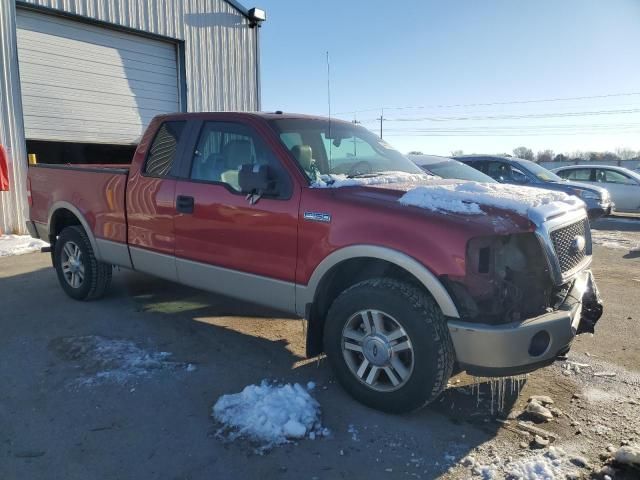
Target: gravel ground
[(124, 387)]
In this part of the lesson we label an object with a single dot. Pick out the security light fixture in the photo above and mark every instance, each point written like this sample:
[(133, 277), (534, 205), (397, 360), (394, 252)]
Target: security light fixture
[(256, 16)]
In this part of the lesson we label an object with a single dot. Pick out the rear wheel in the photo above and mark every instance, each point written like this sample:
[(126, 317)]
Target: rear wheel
[(389, 345), (80, 274)]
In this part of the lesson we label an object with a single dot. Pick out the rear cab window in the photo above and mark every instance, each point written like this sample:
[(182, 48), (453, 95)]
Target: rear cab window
[(162, 153)]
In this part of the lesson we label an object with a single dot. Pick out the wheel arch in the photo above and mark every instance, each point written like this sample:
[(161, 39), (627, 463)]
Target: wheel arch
[(350, 265), (63, 214)]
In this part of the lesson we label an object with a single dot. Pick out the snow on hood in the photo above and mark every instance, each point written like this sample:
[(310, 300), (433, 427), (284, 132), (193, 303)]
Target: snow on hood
[(468, 197), (380, 178)]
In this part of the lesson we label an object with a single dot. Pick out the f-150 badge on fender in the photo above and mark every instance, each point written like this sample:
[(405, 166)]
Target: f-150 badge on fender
[(317, 217)]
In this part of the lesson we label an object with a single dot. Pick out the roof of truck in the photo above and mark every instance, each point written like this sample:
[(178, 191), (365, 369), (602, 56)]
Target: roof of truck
[(265, 115)]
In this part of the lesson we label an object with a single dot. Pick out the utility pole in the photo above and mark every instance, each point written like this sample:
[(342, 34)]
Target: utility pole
[(381, 118), (355, 121)]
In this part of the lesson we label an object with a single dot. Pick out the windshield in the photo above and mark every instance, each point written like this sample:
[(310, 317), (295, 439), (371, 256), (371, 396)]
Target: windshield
[(456, 170), (321, 148), (540, 172)]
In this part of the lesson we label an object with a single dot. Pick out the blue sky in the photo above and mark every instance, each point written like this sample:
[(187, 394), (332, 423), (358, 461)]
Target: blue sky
[(460, 52)]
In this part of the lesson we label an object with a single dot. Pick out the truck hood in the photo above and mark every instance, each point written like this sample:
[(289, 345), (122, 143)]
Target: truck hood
[(497, 207)]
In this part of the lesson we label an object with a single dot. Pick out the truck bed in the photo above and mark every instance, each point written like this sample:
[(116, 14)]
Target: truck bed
[(97, 191)]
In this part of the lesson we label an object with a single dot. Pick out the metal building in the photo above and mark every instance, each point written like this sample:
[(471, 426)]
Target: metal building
[(97, 71)]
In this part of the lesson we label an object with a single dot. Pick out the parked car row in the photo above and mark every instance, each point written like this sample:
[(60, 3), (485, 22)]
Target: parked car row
[(603, 188)]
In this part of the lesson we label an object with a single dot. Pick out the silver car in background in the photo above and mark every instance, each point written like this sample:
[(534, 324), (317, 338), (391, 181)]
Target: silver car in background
[(623, 184)]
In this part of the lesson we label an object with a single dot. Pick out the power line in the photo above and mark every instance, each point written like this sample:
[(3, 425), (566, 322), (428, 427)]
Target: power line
[(488, 104), (596, 126), (468, 134), (512, 116)]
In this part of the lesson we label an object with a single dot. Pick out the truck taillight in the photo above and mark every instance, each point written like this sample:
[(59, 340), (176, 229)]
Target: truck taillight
[(29, 197)]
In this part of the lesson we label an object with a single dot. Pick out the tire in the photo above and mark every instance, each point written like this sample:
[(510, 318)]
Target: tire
[(421, 360), (91, 276)]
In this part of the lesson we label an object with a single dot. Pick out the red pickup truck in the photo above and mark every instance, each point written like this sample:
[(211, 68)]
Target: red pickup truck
[(307, 215)]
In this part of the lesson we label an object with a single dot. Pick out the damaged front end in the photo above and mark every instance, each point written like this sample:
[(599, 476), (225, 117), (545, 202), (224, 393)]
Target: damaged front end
[(524, 296)]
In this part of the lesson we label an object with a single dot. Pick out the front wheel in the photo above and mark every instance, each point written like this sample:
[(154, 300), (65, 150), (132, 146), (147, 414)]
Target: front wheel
[(389, 345), (80, 274)]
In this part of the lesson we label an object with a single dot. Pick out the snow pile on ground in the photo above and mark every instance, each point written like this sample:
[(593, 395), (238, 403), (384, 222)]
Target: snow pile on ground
[(11, 245), (548, 466), (554, 464), (270, 414), (381, 178), (109, 360), (616, 239), (467, 197)]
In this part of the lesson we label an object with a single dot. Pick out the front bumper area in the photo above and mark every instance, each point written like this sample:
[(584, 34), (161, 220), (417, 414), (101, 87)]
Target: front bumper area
[(521, 347), (597, 210)]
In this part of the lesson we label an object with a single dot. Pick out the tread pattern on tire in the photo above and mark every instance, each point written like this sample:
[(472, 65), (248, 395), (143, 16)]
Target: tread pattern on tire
[(431, 313), (101, 272)]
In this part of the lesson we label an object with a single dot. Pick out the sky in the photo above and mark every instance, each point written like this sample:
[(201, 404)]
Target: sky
[(435, 65)]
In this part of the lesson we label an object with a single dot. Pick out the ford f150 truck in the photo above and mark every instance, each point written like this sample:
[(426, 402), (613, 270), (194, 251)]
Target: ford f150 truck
[(306, 215)]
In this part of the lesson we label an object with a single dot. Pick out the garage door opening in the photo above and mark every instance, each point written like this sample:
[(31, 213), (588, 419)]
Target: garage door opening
[(63, 153), (88, 91)]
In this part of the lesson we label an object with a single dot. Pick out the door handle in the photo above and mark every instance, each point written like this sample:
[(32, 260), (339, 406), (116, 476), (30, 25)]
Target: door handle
[(184, 204)]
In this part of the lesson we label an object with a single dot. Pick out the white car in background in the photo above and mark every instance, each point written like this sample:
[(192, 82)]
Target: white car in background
[(623, 184)]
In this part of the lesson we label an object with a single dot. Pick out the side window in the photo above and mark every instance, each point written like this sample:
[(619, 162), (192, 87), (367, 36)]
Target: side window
[(612, 176), (482, 166), (580, 174), (162, 152), (499, 171), (518, 176), (223, 148)]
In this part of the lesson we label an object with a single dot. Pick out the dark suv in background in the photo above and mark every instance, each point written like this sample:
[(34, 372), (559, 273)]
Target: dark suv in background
[(518, 171)]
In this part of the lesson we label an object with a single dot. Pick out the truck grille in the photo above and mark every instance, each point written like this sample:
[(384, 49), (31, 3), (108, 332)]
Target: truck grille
[(565, 244)]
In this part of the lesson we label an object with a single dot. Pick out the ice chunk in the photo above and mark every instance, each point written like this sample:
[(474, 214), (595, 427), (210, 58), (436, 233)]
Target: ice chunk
[(629, 455), (294, 429)]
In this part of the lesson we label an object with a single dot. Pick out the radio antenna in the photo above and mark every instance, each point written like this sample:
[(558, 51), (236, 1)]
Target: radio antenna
[(329, 103)]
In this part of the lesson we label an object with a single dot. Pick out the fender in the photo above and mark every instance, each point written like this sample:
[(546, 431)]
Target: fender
[(83, 221), (107, 251), (306, 294)]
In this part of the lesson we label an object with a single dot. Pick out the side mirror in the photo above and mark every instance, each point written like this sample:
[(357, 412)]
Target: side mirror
[(256, 180)]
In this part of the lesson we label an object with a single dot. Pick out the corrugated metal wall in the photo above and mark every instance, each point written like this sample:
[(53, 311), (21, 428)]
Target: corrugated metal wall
[(220, 58), (13, 204)]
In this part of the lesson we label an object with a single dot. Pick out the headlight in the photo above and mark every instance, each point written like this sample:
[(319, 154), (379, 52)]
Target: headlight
[(587, 195)]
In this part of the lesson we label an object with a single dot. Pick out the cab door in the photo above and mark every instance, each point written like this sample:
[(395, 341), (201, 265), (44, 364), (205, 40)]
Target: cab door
[(226, 241)]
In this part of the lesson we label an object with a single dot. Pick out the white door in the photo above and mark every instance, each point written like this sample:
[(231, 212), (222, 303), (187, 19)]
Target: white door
[(624, 190), (87, 83)]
